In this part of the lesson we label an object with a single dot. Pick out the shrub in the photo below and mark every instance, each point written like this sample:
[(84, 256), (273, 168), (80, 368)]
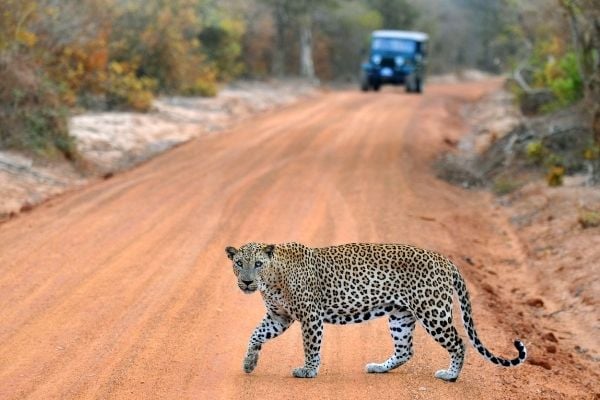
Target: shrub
[(162, 41), (554, 160), (592, 152), (125, 89), (504, 185), (222, 46), (536, 151), (32, 117), (561, 75), (564, 79), (589, 219), (204, 85), (78, 69), (555, 176)]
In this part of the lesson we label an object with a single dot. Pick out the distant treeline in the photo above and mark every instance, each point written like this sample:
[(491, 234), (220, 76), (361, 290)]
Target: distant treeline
[(112, 54)]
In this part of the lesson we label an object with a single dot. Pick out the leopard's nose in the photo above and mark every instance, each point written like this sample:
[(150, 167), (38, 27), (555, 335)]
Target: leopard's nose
[(247, 282)]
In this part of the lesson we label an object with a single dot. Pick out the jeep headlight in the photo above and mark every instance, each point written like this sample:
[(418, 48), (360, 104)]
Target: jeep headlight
[(376, 59), (399, 60)]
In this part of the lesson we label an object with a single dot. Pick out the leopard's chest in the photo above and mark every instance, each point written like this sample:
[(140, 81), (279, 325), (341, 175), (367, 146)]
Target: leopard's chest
[(275, 302)]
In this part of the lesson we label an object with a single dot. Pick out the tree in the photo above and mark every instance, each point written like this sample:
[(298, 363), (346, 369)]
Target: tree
[(348, 30), (396, 14), (584, 20), (307, 66), (297, 15), (280, 16)]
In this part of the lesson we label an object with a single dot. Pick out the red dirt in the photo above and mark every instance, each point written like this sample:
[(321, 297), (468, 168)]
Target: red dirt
[(122, 289)]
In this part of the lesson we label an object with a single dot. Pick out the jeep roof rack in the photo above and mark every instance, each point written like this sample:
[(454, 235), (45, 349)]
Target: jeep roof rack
[(412, 35)]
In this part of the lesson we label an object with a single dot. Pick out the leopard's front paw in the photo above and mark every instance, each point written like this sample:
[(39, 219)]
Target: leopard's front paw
[(250, 362), (374, 368), (304, 372)]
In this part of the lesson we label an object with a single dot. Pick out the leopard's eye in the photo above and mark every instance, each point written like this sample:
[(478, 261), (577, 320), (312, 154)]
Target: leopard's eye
[(239, 263), (258, 264)]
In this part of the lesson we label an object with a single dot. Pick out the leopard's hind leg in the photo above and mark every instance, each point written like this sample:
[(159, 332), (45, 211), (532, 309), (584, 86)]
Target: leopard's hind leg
[(402, 325), (449, 339), (437, 321)]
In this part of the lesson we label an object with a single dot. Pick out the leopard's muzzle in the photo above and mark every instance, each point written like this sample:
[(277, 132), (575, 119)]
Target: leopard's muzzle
[(247, 286)]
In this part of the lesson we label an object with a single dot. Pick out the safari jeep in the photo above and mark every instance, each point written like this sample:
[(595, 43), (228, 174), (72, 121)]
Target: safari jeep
[(397, 58)]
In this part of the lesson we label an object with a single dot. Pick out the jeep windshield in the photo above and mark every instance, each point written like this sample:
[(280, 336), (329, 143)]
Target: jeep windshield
[(394, 45)]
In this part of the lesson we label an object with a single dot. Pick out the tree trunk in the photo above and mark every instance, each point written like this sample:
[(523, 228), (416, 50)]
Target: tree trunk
[(576, 39), (307, 68), (596, 125), (593, 84), (279, 52)]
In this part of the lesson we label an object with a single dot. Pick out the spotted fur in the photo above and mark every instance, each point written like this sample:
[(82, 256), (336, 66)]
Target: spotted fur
[(353, 283)]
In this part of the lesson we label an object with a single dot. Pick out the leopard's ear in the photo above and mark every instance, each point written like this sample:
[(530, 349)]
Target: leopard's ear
[(269, 249), (231, 251)]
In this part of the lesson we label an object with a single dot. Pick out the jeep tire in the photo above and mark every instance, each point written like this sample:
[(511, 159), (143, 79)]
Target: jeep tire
[(418, 85)]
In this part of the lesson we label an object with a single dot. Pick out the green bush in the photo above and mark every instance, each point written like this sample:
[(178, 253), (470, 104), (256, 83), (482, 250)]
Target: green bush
[(561, 76), (554, 160), (592, 152), (222, 46), (205, 83), (115, 57), (555, 176), (32, 117), (125, 89), (504, 185), (540, 155), (589, 218), (163, 41), (564, 79), (536, 151)]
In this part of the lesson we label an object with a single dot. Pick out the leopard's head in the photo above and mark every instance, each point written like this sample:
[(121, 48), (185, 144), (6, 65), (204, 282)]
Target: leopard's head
[(248, 263)]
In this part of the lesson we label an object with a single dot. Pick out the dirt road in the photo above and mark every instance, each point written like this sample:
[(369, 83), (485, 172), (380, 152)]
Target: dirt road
[(122, 290)]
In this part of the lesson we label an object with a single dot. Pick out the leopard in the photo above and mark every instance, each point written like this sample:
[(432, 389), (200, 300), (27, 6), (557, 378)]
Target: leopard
[(353, 283)]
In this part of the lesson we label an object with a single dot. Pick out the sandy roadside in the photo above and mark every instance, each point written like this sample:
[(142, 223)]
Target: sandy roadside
[(110, 142)]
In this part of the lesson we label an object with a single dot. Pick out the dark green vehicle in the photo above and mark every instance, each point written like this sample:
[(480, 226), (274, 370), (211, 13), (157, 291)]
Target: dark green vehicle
[(396, 58)]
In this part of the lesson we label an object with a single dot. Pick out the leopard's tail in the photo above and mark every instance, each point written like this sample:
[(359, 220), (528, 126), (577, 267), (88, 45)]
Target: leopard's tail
[(467, 317)]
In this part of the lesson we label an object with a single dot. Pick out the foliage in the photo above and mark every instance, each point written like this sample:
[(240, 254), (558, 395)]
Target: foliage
[(13, 31), (32, 117), (505, 185), (563, 47), (539, 154), (471, 33), (589, 218), (592, 152), (562, 77), (395, 14), (353, 23), (205, 83), (555, 176), (536, 151), (222, 46), (161, 39), (108, 54), (124, 51), (124, 88)]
